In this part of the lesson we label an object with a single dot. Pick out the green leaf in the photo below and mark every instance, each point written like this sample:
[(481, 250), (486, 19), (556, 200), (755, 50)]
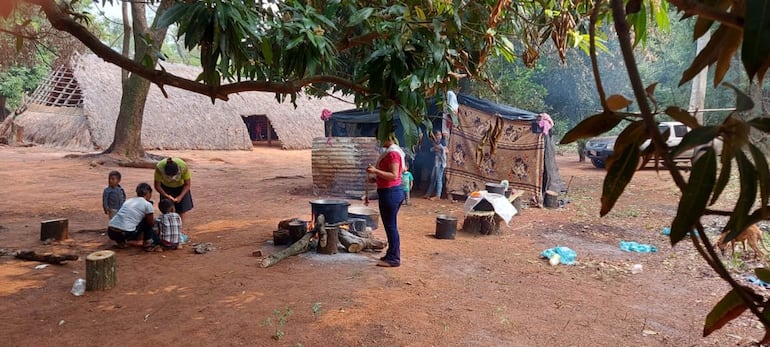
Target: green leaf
[(748, 179), (359, 16), (760, 162), (707, 56), (621, 167), (633, 135), (724, 173), (695, 195), (681, 115), (761, 124), (743, 102), (763, 274), (618, 102), (592, 126), (696, 137), (756, 31), (730, 307)]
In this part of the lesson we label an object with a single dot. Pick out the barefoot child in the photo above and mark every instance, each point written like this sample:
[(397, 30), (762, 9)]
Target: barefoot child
[(113, 196)]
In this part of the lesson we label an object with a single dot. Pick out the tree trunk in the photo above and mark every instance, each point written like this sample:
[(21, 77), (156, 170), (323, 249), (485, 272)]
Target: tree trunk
[(128, 128), (354, 244), (328, 238), (57, 229)]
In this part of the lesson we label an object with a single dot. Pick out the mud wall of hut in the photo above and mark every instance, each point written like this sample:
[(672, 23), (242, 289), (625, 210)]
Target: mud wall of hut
[(339, 164)]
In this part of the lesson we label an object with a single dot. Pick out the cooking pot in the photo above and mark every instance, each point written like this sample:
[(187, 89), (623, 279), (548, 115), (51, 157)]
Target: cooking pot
[(334, 211), (495, 188), (371, 215)]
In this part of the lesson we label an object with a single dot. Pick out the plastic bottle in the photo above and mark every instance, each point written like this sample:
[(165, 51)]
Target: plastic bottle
[(79, 287)]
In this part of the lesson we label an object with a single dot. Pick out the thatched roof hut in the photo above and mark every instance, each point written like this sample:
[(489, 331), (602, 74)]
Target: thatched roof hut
[(76, 108)]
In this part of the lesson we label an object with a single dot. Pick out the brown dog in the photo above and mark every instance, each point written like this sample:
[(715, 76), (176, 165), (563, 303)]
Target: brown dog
[(752, 234)]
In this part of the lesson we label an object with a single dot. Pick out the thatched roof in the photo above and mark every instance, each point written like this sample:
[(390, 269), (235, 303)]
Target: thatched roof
[(83, 117)]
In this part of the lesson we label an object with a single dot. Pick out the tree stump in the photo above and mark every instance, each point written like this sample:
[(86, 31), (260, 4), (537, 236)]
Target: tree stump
[(551, 199), (100, 270), (57, 229), (328, 238), (482, 222)]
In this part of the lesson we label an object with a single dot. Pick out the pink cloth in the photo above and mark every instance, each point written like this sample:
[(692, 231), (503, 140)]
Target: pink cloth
[(326, 114), (545, 122)]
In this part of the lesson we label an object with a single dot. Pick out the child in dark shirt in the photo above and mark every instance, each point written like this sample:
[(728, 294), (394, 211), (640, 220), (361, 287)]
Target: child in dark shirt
[(113, 196)]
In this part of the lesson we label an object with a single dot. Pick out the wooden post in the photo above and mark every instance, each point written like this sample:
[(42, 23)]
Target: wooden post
[(57, 229), (100, 270), (328, 238)]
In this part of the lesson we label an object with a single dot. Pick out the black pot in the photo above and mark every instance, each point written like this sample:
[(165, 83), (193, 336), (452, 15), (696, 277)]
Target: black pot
[(334, 211), (446, 227)]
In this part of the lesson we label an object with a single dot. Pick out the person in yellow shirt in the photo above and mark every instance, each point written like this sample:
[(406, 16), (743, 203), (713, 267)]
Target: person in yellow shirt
[(172, 181)]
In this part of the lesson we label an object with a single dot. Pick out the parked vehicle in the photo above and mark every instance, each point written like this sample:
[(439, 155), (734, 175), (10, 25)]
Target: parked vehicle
[(598, 149)]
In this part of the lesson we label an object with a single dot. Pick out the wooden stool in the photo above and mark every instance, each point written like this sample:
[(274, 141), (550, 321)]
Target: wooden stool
[(483, 222), (100, 270)]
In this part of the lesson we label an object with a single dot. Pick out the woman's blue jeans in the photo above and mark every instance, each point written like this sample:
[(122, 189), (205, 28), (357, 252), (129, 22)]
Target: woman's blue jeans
[(436, 181), (390, 200)]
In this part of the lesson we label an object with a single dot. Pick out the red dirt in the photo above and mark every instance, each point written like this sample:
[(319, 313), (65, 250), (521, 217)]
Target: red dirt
[(472, 291)]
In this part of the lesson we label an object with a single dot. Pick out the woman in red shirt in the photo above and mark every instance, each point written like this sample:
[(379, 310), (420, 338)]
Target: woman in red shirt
[(388, 171)]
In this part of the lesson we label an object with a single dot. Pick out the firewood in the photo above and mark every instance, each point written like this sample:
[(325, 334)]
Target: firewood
[(301, 246), (355, 244), (328, 237), (50, 258)]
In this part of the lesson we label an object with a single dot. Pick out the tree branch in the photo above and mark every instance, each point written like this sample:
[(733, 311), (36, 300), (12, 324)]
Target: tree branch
[(61, 21)]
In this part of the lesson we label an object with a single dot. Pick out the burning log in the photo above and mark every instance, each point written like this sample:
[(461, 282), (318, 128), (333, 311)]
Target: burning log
[(355, 244), (301, 246), (50, 258)]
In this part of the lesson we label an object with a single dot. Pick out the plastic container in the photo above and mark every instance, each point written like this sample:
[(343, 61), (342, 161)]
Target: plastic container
[(79, 287), (637, 268)]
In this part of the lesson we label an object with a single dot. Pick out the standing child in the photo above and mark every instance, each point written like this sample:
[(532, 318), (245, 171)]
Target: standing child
[(169, 224), (407, 181), (113, 196)]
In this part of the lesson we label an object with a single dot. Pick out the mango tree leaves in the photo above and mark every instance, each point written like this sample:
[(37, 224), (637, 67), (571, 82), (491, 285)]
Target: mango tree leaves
[(760, 162), (618, 102), (696, 137), (695, 195), (724, 173), (730, 307), (755, 52), (739, 220), (681, 115), (763, 274), (743, 102), (762, 124), (592, 126), (621, 166), (720, 40)]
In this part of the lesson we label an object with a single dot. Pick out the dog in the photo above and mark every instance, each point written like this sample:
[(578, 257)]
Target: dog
[(752, 234)]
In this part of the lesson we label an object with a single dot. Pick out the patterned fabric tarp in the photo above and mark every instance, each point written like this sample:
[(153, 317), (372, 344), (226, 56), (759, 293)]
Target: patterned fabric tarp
[(486, 148)]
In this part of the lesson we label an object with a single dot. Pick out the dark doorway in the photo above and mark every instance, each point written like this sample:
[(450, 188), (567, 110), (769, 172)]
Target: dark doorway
[(260, 129)]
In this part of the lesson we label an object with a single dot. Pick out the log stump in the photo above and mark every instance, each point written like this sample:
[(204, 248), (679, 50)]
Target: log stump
[(101, 272), (57, 229), (482, 222), (551, 199), (328, 238)]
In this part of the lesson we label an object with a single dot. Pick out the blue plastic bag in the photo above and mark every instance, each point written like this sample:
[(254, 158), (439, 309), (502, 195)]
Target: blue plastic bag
[(631, 246), (567, 256)]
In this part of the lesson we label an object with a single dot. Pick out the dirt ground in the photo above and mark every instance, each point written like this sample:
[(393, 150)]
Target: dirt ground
[(472, 291)]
